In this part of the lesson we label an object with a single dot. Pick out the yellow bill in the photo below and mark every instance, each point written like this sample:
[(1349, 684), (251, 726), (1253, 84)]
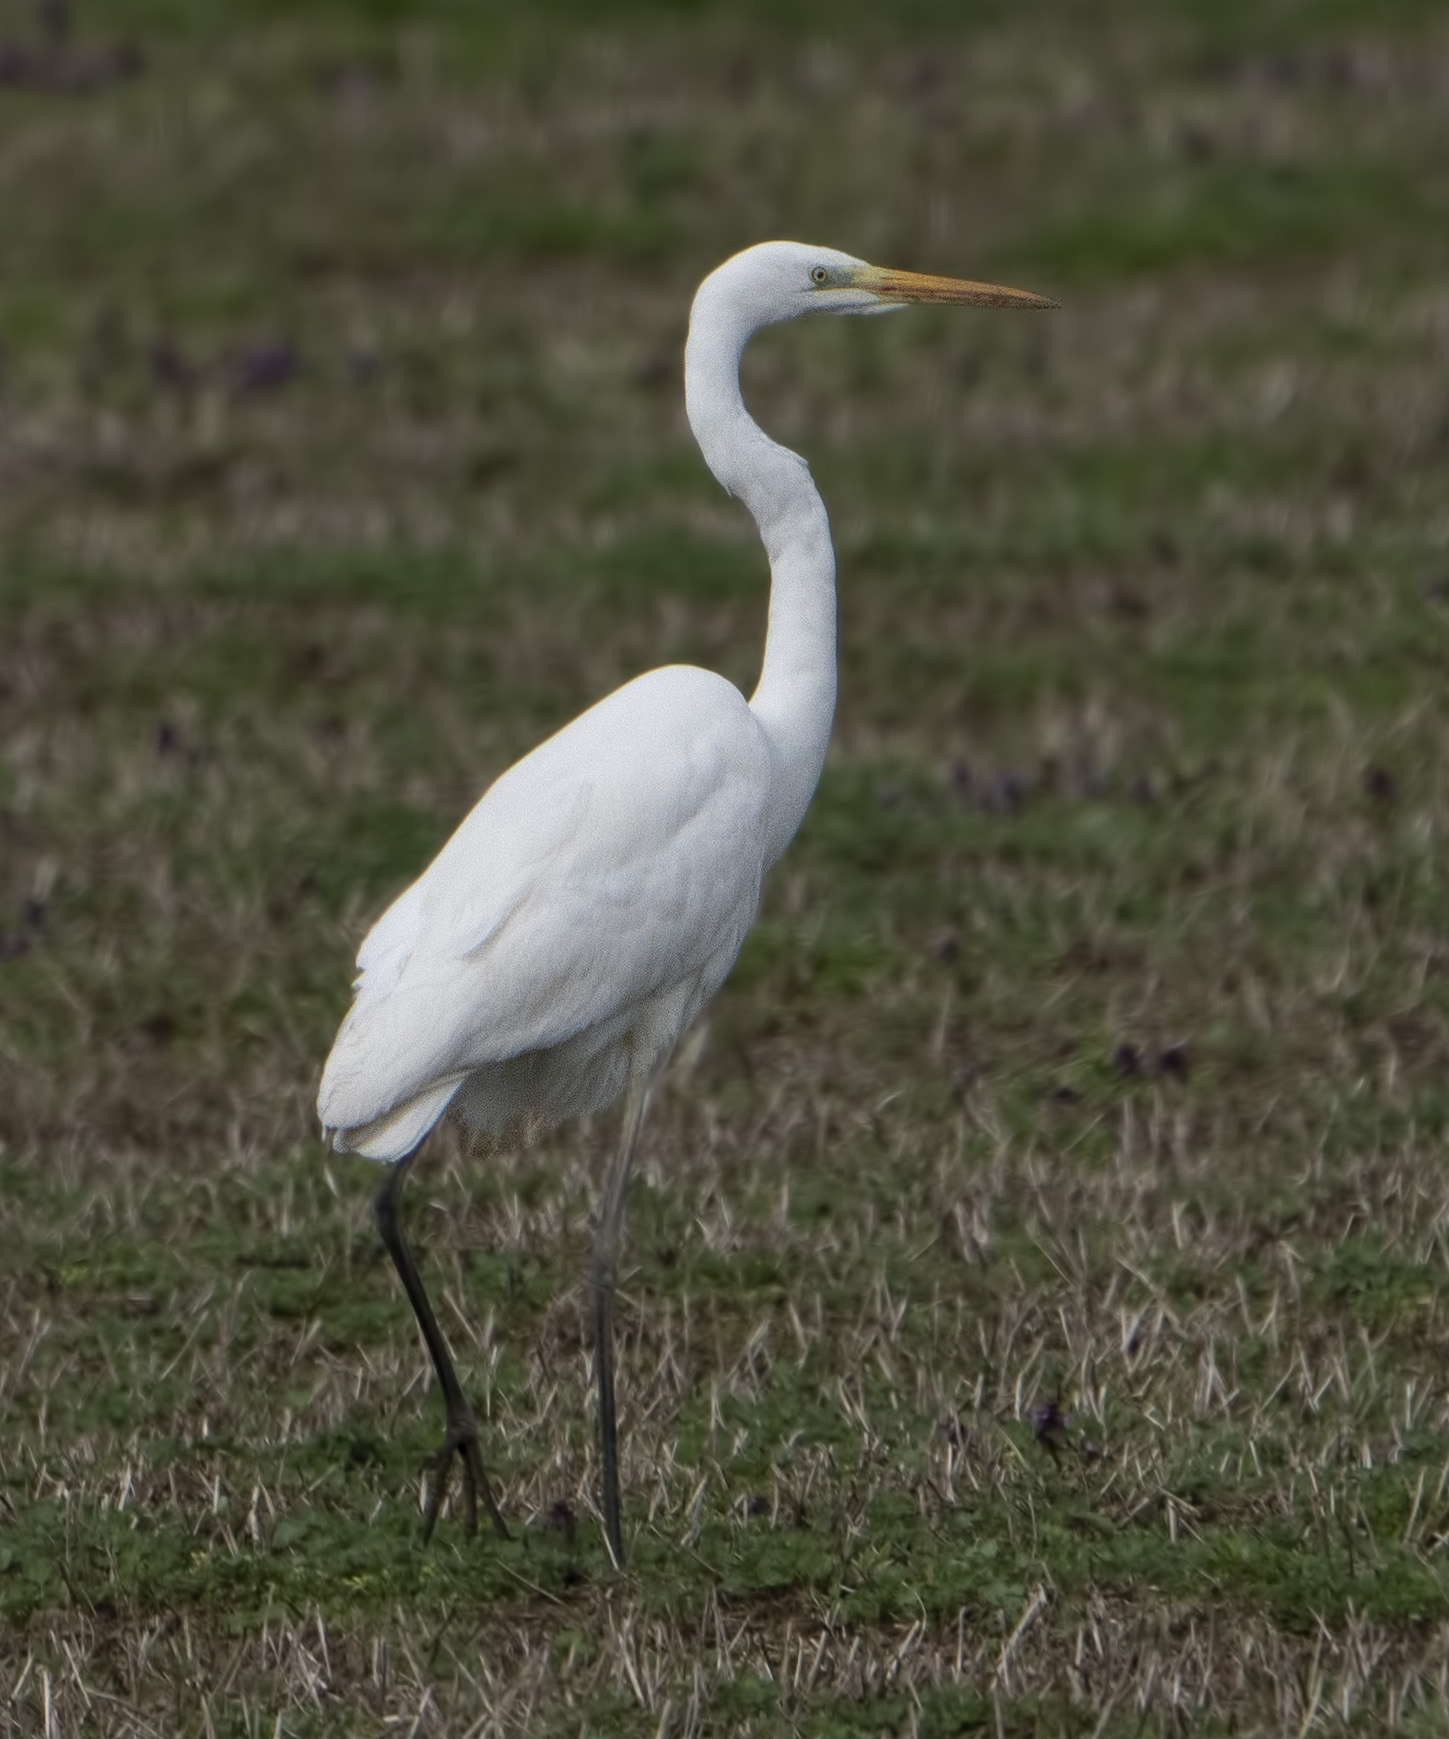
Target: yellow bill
[(923, 287)]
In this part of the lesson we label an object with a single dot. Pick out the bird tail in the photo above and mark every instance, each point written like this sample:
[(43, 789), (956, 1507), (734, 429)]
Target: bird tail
[(397, 1132)]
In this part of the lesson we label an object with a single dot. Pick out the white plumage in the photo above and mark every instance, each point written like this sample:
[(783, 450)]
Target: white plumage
[(567, 916), (550, 956)]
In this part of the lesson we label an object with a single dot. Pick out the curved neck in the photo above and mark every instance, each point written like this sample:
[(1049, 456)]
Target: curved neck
[(795, 699)]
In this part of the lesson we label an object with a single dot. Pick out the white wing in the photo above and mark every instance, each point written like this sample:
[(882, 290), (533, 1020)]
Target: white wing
[(619, 858)]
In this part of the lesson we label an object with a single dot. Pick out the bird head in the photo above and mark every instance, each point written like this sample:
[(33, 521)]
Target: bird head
[(776, 281)]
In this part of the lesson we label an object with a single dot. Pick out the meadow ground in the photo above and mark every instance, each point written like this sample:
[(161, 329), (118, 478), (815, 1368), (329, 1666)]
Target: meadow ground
[(1036, 1303)]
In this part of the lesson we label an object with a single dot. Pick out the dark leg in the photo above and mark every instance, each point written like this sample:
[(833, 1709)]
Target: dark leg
[(606, 1262), (462, 1437)]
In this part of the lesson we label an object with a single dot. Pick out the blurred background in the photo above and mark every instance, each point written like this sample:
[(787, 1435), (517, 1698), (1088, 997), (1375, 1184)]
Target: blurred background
[(343, 457)]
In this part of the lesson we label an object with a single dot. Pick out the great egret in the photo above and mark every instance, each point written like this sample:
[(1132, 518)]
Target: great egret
[(551, 955)]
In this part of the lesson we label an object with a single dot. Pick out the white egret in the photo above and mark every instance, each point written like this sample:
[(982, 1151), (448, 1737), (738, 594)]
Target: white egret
[(586, 910)]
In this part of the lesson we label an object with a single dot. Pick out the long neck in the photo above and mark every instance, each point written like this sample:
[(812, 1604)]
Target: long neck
[(795, 699)]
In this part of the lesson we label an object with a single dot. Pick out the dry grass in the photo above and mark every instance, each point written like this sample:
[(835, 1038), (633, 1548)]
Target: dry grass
[(1037, 1303)]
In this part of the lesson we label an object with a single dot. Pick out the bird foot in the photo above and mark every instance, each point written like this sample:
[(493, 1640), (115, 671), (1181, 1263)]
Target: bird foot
[(461, 1440)]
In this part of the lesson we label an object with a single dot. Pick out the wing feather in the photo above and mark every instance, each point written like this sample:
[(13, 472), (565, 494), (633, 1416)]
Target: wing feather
[(616, 859)]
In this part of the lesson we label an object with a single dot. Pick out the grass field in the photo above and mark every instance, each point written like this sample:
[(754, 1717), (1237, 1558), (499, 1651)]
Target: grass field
[(1035, 1315)]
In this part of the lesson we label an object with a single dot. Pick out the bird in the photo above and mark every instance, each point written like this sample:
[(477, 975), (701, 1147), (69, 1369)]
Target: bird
[(548, 960)]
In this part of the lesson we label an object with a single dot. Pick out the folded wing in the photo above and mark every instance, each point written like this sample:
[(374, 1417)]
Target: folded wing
[(622, 856)]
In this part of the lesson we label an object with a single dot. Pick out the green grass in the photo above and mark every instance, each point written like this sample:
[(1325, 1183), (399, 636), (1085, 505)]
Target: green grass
[(1037, 1288)]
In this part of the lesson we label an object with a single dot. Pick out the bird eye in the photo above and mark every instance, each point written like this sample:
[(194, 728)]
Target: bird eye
[(818, 274)]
